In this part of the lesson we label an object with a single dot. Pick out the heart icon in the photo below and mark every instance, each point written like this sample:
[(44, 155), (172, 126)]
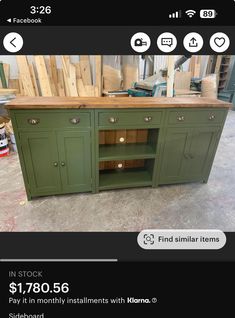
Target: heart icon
[(219, 41)]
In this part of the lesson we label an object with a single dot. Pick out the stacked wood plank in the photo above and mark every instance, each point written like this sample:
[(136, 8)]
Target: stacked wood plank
[(4, 75), (58, 76), (195, 65), (112, 78), (43, 77), (130, 70)]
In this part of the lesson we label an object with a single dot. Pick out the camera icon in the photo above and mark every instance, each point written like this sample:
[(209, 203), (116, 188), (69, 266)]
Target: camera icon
[(148, 239)]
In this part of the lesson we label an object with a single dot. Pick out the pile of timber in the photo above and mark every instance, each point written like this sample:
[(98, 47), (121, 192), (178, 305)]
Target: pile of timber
[(42, 77), (58, 76)]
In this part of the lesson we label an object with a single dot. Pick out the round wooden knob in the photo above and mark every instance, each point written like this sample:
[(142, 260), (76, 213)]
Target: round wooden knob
[(113, 120), (147, 118), (75, 120), (33, 121), (211, 117)]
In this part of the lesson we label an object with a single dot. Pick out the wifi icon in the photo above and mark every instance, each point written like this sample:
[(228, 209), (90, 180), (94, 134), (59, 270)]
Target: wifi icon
[(190, 13)]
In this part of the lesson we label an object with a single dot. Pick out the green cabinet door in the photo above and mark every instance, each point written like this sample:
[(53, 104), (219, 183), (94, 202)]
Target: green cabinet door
[(188, 154), (74, 149), (173, 157), (40, 157), (203, 144)]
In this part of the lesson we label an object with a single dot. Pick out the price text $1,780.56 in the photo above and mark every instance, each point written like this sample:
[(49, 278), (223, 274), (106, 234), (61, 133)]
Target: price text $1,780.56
[(37, 288)]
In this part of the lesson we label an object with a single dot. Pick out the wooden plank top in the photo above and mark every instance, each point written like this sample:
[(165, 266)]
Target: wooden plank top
[(7, 91), (113, 102)]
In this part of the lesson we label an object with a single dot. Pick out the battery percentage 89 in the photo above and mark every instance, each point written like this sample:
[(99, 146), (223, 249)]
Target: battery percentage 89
[(208, 14)]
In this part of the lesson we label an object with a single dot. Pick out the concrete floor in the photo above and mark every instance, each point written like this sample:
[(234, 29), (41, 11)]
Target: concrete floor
[(197, 205)]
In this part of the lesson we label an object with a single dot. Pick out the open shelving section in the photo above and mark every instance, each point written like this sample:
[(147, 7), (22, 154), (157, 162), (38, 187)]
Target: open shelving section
[(126, 158), (125, 152), (133, 177)]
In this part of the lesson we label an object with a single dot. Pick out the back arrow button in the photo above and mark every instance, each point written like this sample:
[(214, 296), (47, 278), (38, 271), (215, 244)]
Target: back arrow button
[(13, 42)]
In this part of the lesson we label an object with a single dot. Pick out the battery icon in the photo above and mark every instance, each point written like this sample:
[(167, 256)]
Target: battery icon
[(208, 14)]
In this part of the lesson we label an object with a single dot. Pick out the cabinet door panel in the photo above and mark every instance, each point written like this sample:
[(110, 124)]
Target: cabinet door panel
[(188, 154), (202, 145), (176, 142), (75, 160), (41, 158)]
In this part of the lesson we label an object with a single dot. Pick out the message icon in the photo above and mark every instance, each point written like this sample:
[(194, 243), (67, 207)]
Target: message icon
[(166, 42)]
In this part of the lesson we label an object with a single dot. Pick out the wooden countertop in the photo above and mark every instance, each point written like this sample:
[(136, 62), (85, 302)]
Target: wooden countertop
[(113, 102)]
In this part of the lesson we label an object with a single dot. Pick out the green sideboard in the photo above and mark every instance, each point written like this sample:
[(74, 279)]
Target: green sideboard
[(69, 145)]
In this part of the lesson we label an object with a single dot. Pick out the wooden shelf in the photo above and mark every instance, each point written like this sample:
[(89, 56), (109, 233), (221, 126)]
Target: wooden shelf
[(126, 152), (113, 179)]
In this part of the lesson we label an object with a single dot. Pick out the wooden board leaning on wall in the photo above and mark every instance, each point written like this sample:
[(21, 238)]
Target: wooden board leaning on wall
[(41, 76)]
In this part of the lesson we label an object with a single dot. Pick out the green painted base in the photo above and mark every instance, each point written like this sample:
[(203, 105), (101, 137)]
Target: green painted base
[(58, 156)]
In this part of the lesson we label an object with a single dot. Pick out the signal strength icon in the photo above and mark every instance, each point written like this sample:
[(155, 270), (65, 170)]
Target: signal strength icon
[(190, 13), (175, 15)]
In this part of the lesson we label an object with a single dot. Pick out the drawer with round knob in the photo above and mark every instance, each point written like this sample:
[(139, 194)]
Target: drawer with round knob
[(130, 118), (48, 119), (196, 117)]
